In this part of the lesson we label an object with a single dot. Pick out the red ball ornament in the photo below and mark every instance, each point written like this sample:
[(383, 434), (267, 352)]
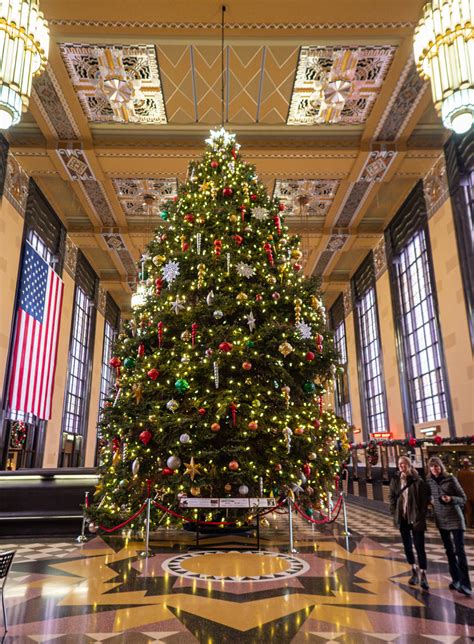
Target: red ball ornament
[(141, 350), (412, 442), (189, 217), (215, 427), (281, 206), (153, 374), (145, 437), (297, 267), (167, 471), (253, 425), (234, 466), (438, 440), (225, 347), (299, 431), (276, 296), (115, 362), (316, 423), (307, 470), (278, 467), (227, 191), (201, 411), (258, 297), (246, 365), (253, 197), (185, 246), (310, 356), (214, 164)]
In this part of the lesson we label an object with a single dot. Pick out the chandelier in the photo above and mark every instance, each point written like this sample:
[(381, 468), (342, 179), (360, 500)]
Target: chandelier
[(119, 87), (24, 43), (444, 53)]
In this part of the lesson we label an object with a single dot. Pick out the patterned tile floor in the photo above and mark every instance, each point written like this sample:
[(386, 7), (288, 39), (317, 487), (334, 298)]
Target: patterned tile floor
[(334, 589)]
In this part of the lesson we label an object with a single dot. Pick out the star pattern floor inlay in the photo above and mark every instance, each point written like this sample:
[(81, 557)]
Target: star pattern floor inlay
[(333, 589)]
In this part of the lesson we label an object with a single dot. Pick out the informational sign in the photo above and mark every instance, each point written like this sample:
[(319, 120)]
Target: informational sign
[(186, 502), (240, 502)]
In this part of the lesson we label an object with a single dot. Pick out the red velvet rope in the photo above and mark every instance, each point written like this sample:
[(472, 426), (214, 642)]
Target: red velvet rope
[(180, 516), (121, 525), (337, 509)]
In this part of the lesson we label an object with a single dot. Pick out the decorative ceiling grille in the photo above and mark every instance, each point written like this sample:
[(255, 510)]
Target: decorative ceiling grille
[(143, 197), (311, 198)]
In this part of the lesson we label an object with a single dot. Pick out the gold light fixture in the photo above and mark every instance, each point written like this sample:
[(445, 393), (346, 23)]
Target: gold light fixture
[(121, 89), (444, 53), (24, 43)]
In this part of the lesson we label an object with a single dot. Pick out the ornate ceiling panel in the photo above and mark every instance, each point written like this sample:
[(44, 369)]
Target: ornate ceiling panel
[(144, 197), (105, 75), (337, 83), (302, 198)]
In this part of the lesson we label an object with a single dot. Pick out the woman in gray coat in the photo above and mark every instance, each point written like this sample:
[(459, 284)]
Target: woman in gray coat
[(448, 499)]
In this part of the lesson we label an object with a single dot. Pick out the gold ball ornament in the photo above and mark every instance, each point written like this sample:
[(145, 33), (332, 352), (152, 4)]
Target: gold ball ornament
[(312, 456), (296, 254), (227, 488), (242, 297), (253, 425), (186, 336), (234, 218), (285, 348), (271, 279), (195, 491), (158, 259)]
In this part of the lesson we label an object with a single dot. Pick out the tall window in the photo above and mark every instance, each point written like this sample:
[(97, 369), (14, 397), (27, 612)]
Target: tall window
[(78, 375), (107, 377), (424, 391), (372, 389), (420, 332), (341, 390), (76, 401)]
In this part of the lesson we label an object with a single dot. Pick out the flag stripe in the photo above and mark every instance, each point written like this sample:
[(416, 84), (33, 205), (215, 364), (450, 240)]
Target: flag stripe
[(54, 353), (46, 343), (36, 337)]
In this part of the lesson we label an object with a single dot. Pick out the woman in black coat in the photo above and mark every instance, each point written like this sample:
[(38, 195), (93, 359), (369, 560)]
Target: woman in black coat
[(448, 499), (409, 498)]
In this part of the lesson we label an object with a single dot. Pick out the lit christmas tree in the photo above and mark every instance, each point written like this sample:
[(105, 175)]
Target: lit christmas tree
[(221, 372)]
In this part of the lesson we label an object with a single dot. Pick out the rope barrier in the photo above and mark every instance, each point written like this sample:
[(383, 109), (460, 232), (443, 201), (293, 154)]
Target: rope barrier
[(121, 525), (183, 518), (325, 520)]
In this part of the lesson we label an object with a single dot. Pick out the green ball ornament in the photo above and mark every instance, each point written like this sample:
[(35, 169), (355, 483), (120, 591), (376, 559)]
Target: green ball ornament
[(250, 344), (142, 276), (309, 387), (129, 363), (164, 215), (309, 512), (181, 385)]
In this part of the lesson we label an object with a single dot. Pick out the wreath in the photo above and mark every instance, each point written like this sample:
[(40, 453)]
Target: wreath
[(18, 435), (372, 452)]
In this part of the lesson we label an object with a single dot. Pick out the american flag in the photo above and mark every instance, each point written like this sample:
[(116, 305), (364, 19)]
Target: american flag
[(36, 337)]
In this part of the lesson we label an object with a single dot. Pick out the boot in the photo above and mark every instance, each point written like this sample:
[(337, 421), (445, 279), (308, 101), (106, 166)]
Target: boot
[(423, 581), (413, 581)]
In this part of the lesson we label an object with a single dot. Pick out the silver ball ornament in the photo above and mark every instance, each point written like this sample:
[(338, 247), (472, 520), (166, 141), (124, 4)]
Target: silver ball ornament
[(184, 438), (173, 462), (243, 490)]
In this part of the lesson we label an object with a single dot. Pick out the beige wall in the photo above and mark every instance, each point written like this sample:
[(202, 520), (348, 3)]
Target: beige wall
[(53, 431), (11, 232), (95, 391), (389, 357), (453, 318)]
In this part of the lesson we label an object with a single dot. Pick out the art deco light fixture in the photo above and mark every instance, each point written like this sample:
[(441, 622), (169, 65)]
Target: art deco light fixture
[(24, 43), (119, 87), (444, 53)]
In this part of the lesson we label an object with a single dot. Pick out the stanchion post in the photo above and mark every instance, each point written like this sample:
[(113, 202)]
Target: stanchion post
[(346, 532), (146, 553), (290, 525), (82, 537), (329, 495)]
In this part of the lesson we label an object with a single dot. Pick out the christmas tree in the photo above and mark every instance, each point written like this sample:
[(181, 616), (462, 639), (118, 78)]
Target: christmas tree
[(222, 370)]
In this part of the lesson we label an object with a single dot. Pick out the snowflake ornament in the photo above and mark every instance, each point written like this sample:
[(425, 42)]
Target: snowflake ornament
[(170, 271), (304, 330), (260, 213), (245, 270)]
